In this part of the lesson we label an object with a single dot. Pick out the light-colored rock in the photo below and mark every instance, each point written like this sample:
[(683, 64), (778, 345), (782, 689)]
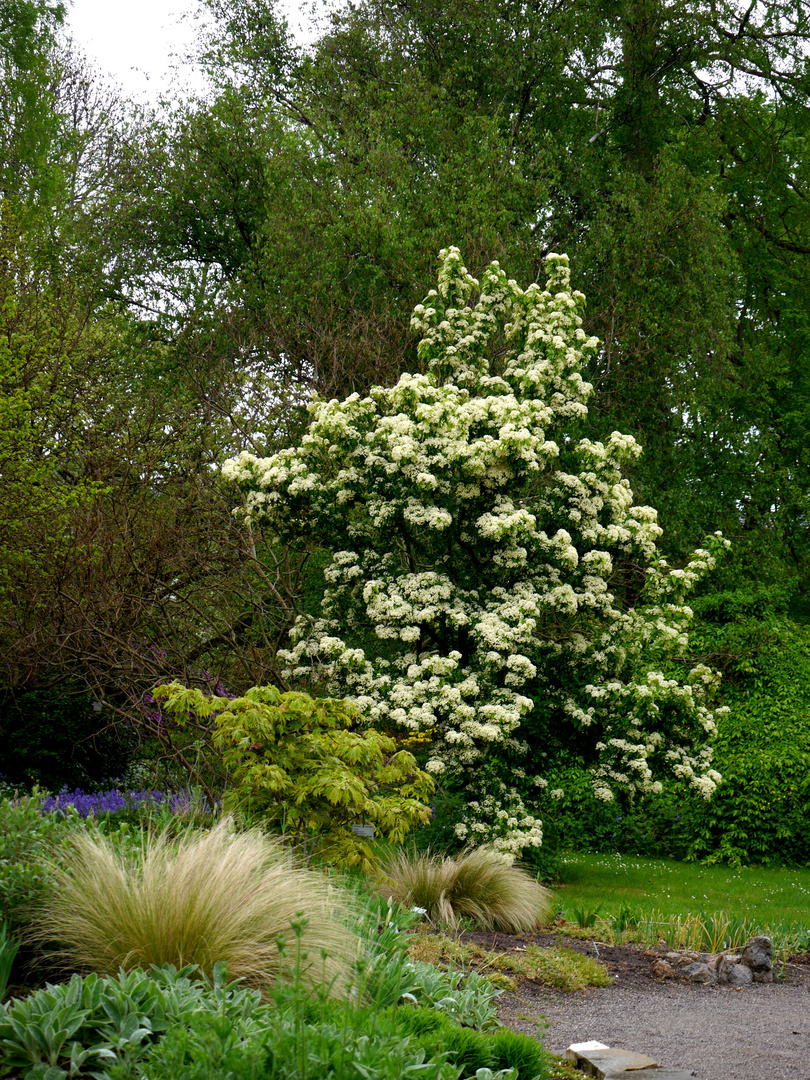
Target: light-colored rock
[(602, 1063), (581, 1048), (699, 973)]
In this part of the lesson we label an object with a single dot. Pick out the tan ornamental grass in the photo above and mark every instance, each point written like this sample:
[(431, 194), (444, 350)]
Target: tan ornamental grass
[(477, 885), (207, 897)]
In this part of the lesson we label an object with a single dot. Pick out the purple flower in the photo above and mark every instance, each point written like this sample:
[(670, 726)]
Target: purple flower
[(110, 802)]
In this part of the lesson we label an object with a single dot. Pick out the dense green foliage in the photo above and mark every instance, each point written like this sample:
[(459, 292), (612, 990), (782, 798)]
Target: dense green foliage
[(174, 282), (761, 813), (167, 1022), (27, 839), (619, 135), (307, 768)]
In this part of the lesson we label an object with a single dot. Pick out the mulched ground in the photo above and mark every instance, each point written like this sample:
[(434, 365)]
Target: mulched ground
[(630, 965)]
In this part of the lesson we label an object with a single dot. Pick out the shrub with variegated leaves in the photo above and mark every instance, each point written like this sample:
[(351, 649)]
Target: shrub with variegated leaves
[(515, 591)]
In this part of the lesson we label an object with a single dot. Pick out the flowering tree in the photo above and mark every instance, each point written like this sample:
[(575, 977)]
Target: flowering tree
[(491, 582)]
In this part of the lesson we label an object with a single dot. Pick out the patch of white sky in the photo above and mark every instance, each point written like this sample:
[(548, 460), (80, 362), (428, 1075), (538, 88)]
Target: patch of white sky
[(143, 46)]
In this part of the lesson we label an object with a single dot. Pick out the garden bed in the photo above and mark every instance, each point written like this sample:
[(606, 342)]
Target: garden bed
[(629, 964)]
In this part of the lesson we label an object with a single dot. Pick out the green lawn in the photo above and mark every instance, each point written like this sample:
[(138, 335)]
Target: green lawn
[(657, 896)]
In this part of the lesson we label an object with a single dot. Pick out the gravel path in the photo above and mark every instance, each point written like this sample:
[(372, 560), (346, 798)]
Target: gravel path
[(761, 1033), (715, 1032)]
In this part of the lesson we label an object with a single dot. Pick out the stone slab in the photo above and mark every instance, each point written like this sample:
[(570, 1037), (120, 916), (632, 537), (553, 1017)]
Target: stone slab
[(603, 1063), (652, 1074)]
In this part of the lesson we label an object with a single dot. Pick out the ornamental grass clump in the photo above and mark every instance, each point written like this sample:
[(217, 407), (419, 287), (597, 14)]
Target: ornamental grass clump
[(478, 885), (207, 897)]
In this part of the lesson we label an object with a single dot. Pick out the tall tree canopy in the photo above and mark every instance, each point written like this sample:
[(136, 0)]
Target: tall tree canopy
[(218, 259), (662, 145)]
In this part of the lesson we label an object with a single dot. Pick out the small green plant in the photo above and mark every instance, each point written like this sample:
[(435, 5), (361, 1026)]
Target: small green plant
[(584, 916), (561, 968), (72, 1029), (478, 885), (205, 898), (305, 767), (472, 1050), (302, 1039), (27, 837), (9, 948)]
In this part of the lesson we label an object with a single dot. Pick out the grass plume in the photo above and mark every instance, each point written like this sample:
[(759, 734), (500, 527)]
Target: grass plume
[(207, 897), (478, 885)]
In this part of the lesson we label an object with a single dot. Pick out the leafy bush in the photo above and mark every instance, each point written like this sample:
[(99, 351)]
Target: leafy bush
[(295, 1043), (70, 1029), (479, 885), (472, 1050), (577, 820), (761, 811), (217, 896), (305, 767), (27, 837)]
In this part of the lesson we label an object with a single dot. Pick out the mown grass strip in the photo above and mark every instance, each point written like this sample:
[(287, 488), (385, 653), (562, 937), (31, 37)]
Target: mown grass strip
[(687, 904)]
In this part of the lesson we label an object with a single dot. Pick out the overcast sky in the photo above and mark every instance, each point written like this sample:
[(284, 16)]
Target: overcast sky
[(136, 42), (133, 41)]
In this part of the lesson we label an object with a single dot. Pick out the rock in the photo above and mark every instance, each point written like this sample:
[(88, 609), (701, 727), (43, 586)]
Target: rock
[(758, 956), (739, 975), (575, 1049), (652, 1074), (731, 972), (662, 970), (604, 1063), (699, 973)]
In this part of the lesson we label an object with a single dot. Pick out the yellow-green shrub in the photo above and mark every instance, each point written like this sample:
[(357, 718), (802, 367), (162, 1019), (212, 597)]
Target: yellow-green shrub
[(305, 767)]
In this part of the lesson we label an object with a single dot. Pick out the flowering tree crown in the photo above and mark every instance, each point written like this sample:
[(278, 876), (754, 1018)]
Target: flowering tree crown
[(492, 582)]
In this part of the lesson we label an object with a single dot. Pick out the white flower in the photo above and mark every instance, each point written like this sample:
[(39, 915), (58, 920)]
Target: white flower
[(482, 553)]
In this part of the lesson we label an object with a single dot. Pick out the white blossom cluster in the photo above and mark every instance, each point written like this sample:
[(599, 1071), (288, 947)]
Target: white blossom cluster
[(499, 564), (501, 822)]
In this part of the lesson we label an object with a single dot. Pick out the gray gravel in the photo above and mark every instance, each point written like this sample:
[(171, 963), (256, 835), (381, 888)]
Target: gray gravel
[(760, 1033)]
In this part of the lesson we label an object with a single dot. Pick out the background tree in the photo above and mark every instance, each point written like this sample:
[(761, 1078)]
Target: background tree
[(120, 563), (658, 144)]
